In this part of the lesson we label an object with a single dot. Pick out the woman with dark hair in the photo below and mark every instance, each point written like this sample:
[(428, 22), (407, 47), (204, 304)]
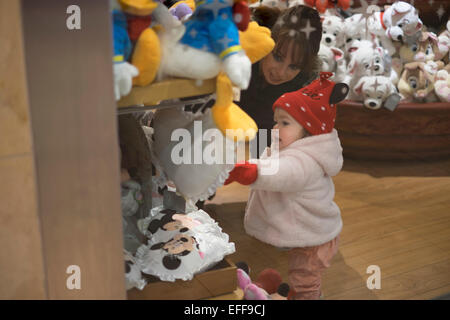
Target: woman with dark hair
[(292, 64)]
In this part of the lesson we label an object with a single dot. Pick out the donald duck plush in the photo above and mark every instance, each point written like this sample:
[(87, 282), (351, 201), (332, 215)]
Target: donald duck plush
[(208, 42)]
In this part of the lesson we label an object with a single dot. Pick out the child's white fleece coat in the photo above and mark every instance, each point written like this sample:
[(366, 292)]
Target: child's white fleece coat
[(295, 207)]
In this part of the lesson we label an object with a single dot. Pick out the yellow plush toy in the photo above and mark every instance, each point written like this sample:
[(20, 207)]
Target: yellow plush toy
[(257, 43), (147, 51)]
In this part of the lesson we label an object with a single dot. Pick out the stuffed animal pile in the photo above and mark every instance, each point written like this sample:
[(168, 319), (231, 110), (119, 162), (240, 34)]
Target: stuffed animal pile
[(386, 55), (210, 39)]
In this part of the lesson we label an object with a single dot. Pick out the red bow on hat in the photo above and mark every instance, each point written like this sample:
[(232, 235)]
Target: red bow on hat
[(310, 105)]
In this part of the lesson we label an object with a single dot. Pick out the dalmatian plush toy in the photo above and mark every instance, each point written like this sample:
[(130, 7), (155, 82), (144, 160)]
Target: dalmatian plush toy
[(332, 31), (377, 91), (397, 21)]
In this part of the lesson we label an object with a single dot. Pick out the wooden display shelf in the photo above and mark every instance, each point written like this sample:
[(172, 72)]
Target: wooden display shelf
[(220, 281), (413, 131), (165, 90)]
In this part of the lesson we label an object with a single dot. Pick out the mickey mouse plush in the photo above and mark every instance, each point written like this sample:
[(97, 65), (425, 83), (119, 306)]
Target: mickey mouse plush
[(179, 246)]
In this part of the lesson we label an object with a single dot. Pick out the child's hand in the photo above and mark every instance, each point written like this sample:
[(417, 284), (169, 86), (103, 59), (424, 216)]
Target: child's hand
[(245, 173)]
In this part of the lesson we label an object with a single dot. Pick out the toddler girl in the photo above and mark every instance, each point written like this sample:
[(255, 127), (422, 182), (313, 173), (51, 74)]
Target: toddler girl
[(294, 207)]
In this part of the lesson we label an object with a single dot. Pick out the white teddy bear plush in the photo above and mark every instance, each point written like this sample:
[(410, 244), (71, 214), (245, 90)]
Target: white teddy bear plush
[(333, 61), (377, 91), (394, 24), (332, 31)]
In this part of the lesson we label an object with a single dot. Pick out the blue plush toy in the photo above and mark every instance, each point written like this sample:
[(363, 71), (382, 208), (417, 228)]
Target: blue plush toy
[(212, 29)]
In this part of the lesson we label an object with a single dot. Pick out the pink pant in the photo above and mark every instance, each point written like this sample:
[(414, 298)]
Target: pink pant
[(306, 266)]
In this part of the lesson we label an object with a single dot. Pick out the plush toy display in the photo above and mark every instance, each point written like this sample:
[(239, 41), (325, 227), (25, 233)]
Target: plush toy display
[(182, 245), (268, 286), (393, 24), (323, 5), (377, 91), (417, 82), (333, 61)]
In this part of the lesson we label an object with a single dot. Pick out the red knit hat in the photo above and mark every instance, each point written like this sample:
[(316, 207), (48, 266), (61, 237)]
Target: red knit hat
[(310, 106)]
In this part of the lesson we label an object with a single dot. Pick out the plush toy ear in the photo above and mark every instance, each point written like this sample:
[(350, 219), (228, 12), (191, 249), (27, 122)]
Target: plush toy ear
[(154, 226), (380, 50), (157, 246), (419, 25), (338, 54), (171, 262), (339, 93)]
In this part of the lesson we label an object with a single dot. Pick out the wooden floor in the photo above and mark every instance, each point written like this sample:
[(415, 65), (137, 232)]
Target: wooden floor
[(396, 216)]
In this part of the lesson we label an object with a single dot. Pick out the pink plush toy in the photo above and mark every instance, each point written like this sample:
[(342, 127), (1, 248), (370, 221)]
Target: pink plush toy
[(268, 286)]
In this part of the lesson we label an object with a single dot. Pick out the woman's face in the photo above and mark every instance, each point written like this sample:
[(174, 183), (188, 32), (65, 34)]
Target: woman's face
[(278, 66)]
